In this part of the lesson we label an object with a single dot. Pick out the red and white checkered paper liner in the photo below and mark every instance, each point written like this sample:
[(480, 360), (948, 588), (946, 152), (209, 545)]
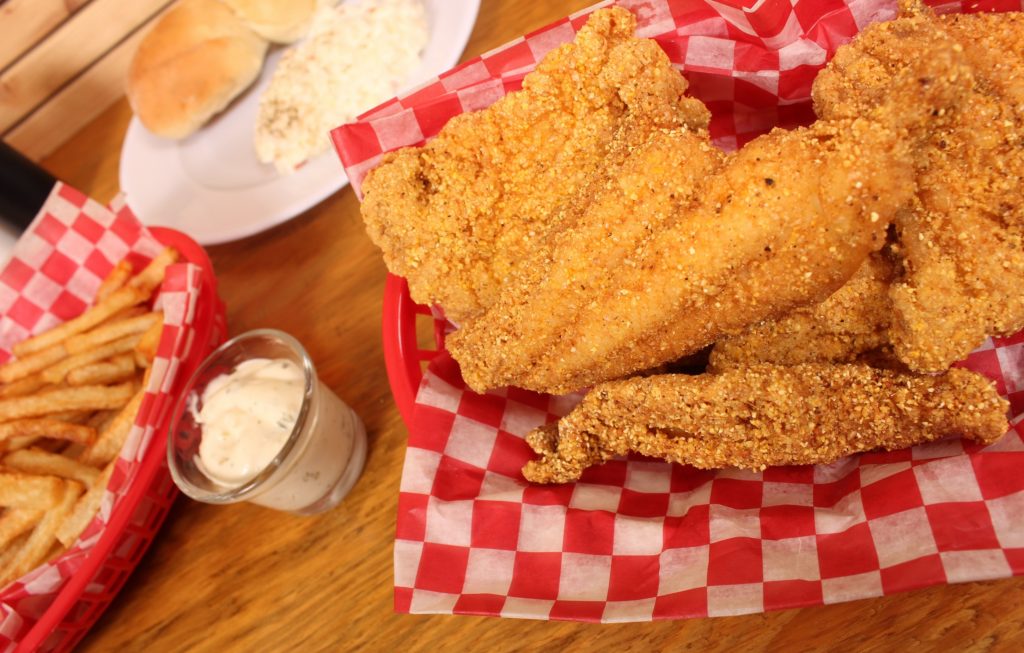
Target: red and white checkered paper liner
[(636, 539), (55, 270)]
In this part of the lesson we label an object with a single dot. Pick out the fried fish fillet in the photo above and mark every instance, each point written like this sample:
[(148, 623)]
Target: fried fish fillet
[(853, 320), (458, 215), (764, 238), (785, 222), (762, 415), (963, 236)]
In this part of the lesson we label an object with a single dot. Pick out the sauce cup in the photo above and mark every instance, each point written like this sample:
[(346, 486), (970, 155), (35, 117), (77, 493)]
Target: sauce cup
[(317, 465)]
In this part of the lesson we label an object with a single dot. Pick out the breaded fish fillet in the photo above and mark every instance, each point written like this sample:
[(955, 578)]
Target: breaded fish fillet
[(852, 321), (763, 415), (963, 237), (659, 182), (458, 215), (785, 223)]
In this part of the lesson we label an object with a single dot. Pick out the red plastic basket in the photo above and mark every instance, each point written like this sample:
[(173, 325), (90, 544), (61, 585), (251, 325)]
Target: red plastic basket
[(138, 517), (403, 355), (887, 525)]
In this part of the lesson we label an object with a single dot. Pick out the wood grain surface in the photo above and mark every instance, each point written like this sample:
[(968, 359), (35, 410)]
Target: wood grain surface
[(26, 22), (243, 578), (73, 47), (79, 101)]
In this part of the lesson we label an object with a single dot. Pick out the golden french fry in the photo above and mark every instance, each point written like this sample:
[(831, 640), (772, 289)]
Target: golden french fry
[(120, 299), (153, 274), (120, 316), (114, 280), (72, 416), (150, 341), (117, 368), (8, 553), (72, 450), (100, 419), (86, 397), (56, 373), (112, 438), (23, 386), (38, 544), (38, 461), (19, 443), (16, 521), (47, 427), (20, 368), (56, 550), (85, 509), (111, 330), (29, 491)]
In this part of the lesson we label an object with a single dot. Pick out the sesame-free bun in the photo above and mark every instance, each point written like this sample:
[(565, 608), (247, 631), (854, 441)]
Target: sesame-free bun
[(280, 21), (197, 58)]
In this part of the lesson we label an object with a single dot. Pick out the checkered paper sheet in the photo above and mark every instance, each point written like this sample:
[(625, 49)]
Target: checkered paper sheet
[(53, 274), (638, 539)]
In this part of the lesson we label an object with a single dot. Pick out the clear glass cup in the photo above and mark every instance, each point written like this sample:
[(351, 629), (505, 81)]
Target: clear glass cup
[(318, 463)]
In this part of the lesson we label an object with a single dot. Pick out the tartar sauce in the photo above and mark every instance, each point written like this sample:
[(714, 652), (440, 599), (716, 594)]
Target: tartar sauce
[(246, 418)]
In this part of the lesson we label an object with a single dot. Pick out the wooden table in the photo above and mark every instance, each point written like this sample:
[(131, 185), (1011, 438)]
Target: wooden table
[(250, 579)]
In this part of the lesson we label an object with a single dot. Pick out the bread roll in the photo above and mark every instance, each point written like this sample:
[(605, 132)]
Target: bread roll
[(280, 21), (197, 58)]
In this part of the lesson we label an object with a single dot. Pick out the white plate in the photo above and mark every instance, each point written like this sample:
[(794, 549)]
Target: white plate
[(212, 187)]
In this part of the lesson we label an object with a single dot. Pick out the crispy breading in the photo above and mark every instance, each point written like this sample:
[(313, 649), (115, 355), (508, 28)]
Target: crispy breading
[(766, 237), (661, 180), (963, 236), (458, 215), (786, 221), (853, 320), (762, 415), (866, 75)]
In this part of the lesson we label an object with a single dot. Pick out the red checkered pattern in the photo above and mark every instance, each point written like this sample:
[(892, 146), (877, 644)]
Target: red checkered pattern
[(53, 274), (639, 539), (636, 539)]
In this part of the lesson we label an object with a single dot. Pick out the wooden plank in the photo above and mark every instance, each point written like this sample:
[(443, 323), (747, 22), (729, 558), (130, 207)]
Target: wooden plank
[(75, 46), (78, 103), (25, 22)]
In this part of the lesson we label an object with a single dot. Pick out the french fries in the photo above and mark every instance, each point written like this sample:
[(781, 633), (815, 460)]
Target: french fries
[(153, 274), (20, 442), (29, 491), (116, 368), (100, 419), (113, 436), (119, 300), (85, 509), (23, 386), (87, 397), (47, 427), (56, 373), (115, 280), (111, 331), (36, 548), (67, 404), (37, 461), (17, 521), (41, 359), (149, 342)]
